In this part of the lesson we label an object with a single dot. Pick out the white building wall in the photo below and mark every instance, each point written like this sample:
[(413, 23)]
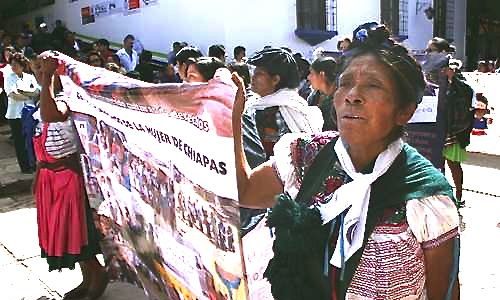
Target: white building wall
[(420, 29), (252, 24)]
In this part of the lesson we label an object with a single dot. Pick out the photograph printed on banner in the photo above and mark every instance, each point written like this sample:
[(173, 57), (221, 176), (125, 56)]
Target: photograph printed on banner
[(161, 231)]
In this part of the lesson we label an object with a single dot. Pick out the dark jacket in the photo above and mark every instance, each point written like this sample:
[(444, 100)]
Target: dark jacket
[(459, 112)]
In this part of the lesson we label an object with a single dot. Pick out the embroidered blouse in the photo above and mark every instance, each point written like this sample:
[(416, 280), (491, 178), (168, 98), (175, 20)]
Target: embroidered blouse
[(392, 264)]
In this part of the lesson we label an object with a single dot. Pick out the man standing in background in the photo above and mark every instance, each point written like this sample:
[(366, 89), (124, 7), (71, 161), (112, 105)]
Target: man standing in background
[(128, 56)]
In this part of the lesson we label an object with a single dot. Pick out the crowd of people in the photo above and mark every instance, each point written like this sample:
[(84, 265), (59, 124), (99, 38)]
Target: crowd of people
[(206, 221), (356, 105)]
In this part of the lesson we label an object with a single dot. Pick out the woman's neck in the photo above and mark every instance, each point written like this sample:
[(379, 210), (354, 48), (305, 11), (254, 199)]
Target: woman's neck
[(363, 155)]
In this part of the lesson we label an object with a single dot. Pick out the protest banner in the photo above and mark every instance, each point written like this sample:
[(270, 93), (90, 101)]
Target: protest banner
[(427, 129), (158, 163)]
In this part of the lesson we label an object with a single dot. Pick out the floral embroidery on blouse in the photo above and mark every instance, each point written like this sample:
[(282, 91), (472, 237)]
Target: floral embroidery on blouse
[(303, 153)]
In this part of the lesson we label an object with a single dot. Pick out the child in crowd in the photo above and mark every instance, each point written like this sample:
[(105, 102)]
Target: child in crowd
[(481, 115)]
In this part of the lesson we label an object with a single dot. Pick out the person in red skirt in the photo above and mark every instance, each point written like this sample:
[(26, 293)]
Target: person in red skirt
[(66, 231)]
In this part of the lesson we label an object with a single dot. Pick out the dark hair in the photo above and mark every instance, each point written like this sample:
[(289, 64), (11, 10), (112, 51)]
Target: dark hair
[(20, 59), (441, 44), (277, 61), (238, 50), (481, 98), (303, 65), (328, 65), (186, 53), (217, 51), (243, 70), (68, 33), (94, 53), (146, 56), (10, 49), (207, 66), (134, 75), (339, 43), (103, 42), (128, 37), (116, 59), (373, 39)]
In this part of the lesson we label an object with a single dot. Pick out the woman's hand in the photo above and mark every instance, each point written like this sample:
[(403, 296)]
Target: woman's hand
[(240, 98), (48, 65)]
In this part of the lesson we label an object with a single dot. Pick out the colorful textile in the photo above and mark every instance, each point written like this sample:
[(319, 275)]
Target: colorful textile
[(395, 236), (65, 229)]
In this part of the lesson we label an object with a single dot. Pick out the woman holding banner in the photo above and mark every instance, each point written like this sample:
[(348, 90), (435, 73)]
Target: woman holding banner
[(348, 208), (279, 109), (66, 229)]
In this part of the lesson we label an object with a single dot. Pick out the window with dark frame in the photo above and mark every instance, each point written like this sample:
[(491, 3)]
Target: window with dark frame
[(450, 20), (311, 14), (403, 18), (316, 20), (394, 15)]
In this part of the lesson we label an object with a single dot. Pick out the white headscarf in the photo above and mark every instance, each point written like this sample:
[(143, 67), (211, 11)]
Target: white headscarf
[(299, 117), (354, 196)]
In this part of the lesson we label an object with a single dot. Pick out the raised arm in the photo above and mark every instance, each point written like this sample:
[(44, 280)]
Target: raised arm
[(259, 187), (50, 110)]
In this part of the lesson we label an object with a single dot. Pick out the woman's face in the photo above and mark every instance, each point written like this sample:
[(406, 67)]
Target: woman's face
[(16, 67), (264, 83), (483, 68), (366, 104), (35, 65), (316, 79), (95, 61), (7, 54), (193, 75)]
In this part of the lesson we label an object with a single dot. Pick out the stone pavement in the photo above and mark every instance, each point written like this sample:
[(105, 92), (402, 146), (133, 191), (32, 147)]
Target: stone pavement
[(24, 274)]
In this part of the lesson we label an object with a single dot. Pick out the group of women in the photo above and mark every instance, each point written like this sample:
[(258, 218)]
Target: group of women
[(357, 213)]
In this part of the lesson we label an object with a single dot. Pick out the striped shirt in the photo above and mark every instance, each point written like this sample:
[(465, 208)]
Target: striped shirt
[(62, 139)]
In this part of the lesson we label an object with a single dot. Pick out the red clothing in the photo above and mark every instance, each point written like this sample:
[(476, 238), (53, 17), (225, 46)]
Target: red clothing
[(1, 75), (59, 195), (106, 54)]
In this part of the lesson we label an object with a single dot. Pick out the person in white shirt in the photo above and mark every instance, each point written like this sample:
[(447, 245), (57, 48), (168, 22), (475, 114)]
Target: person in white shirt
[(21, 89), (128, 56)]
